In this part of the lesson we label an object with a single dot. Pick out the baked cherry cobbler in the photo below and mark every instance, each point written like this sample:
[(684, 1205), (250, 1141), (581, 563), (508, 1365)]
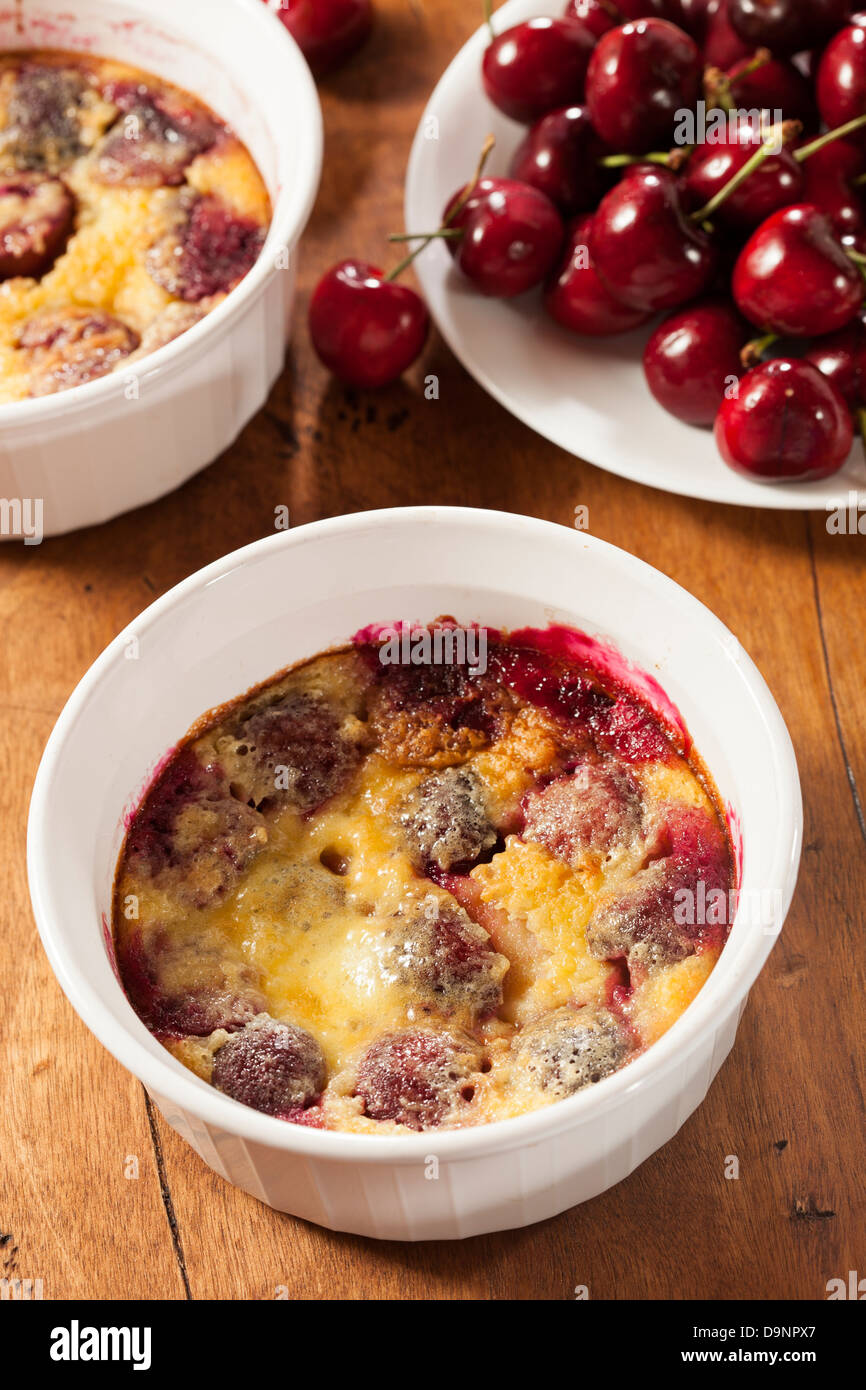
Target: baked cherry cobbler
[(375, 895), (128, 211)]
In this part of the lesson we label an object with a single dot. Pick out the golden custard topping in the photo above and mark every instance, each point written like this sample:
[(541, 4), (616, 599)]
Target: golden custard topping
[(128, 211), (405, 885)]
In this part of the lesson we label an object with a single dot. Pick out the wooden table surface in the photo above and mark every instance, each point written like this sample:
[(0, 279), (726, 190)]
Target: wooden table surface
[(789, 1103)]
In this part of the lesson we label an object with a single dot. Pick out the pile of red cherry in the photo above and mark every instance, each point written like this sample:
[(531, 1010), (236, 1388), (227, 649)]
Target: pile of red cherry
[(754, 235)]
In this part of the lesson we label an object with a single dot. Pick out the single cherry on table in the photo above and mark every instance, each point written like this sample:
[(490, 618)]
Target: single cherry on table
[(366, 328), (326, 31), (787, 423)]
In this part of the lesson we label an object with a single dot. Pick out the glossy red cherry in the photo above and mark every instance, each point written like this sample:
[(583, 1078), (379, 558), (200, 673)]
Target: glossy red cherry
[(720, 44), (326, 31), (560, 155), (578, 300), (775, 85), (367, 330), (538, 65), (787, 26), (693, 358), (512, 235), (829, 184), (841, 357), (787, 423), (774, 184), (840, 84), (793, 277), (646, 249), (649, 9), (640, 76), (596, 15)]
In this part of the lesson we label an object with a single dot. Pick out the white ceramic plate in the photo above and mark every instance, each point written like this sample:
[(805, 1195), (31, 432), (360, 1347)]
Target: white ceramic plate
[(587, 395)]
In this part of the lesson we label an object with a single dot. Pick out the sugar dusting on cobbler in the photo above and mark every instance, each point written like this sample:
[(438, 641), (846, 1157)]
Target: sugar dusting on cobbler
[(385, 897)]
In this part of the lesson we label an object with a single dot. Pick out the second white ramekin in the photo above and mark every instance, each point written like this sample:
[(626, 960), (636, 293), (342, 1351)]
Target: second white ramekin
[(128, 438), (287, 597)]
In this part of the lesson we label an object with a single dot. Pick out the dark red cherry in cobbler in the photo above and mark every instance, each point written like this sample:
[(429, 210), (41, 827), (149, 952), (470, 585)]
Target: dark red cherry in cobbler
[(646, 249), (326, 31), (640, 76), (537, 65), (578, 300), (511, 236), (693, 358), (787, 423), (793, 276), (36, 217), (365, 328)]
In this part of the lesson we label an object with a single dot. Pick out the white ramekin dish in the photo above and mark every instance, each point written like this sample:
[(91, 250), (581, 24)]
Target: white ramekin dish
[(286, 598), (127, 438)]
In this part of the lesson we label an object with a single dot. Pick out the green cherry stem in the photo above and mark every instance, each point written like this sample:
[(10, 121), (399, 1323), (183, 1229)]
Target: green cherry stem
[(623, 161), (777, 137), (488, 18), (718, 88), (838, 133), (754, 351), (441, 232), (427, 237)]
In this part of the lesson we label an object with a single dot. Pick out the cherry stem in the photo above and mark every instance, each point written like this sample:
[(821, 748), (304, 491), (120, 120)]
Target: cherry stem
[(754, 351), (622, 161), (488, 18), (838, 133), (670, 159), (427, 237), (718, 87), (775, 141)]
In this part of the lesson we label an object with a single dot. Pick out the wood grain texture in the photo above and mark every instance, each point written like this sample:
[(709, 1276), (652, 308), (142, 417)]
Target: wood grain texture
[(789, 1101)]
